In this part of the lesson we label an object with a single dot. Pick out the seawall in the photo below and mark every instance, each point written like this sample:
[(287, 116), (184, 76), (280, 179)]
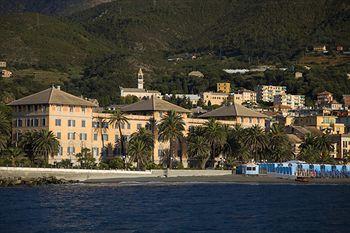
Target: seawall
[(87, 174)]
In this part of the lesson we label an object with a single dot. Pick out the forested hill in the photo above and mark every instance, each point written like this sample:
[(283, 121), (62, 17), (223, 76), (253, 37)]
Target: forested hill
[(98, 46)]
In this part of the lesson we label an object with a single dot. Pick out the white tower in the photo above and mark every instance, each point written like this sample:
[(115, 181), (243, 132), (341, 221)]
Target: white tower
[(140, 79)]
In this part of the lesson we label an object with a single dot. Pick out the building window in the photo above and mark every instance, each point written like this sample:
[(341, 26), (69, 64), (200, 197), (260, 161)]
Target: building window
[(129, 126), (83, 136), (83, 109), (28, 123), (58, 122), (139, 126), (94, 124), (35, 108), (71, 109), (59, 108), (95, 151), (95, 136), (60, 151), (105, 137), (19, 123), (58, 135), (250, 120), (71, 136), (71, 123), (122, 125), (43, 122), (36, 122), (83, 123), (71, 150)]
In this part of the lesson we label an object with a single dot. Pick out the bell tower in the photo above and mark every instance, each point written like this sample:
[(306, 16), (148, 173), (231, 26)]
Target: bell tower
[(140, 79)]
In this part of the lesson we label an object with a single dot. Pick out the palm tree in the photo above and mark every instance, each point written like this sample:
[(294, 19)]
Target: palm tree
[(324, 145), (145, 136), (101, 129), (235, 148), (152, 125), (171, 129), (216, 136), (46, 144), (279, 146), (5, 130), (256, 142), (15, 155), (139, 152), (117, 119), (27, 142), (199, 149)]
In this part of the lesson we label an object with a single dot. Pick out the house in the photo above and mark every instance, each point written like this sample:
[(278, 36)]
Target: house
[(197, 74), (346, 100), (320, 48), (223, 87), (247, 96), (342, 147), (2, 64), (326, 124), (324, 98), (214, 98), (6, 73), (298, 75), (292, 101), (192, 98)]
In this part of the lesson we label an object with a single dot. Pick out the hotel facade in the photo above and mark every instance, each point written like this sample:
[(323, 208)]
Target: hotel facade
[(77, 124)]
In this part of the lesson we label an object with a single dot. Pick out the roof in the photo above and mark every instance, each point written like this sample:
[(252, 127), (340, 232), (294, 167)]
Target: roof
[(233, 110), (138, 90), (52, 95), (196, 73), (153, 104), (324, 93), (293, 138)]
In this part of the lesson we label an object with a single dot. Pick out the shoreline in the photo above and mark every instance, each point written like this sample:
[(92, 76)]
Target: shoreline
[(233, 179)]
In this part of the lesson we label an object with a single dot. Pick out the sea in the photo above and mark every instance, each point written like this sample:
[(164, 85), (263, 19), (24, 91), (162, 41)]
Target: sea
[(176, 207)]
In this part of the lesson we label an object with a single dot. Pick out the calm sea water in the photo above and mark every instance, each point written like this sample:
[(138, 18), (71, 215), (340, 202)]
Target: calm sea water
[(176, 208)]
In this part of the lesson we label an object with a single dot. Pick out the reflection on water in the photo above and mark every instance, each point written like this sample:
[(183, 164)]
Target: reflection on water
[(162, 207)]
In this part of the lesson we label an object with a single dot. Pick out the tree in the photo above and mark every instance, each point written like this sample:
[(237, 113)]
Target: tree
[(46, 144), (138, 152), (171, 129), (16, 156), (235, 148), (278, 144), (5, 130), (216, 136), (86, 159), (152, 125), (27, 142), (199, 150), (324, 145), (256, 142), (101, 128), (117, 119)]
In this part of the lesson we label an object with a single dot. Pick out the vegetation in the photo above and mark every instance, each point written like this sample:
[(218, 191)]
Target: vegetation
[(316, 149), (118, 119), (171, 129), (86, 159)]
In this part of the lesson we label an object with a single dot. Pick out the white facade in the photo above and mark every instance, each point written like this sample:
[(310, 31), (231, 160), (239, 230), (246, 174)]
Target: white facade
[(247, 95), (293, 101), (267, 93), (140, 79)]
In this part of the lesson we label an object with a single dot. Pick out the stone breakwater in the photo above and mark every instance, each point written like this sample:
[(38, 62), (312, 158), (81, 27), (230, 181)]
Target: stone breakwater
[(17, 181)]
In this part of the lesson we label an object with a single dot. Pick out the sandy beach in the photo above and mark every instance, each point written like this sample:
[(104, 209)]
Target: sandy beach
[(220, 179)]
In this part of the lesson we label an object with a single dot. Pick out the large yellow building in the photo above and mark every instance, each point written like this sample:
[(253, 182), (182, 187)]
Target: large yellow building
[(214, 98), (77, 124)]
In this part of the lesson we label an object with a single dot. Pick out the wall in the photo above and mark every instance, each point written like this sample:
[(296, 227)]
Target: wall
[(85, 174)]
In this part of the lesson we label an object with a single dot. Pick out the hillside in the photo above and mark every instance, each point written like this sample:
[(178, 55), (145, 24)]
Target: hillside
[(100, 47)]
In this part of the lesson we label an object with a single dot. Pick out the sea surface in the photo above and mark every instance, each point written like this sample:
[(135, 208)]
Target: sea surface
[(195, 207)]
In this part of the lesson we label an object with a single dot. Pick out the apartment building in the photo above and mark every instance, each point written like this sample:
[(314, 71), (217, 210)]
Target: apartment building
[(77, 124), (324, 98), (247, 96), (292, 101), (267, 93)]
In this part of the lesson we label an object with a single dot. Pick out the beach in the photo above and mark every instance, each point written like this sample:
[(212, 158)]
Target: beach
[(261, 179)]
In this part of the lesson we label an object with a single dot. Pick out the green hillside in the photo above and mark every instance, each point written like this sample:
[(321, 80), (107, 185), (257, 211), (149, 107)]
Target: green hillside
[(102, 47)]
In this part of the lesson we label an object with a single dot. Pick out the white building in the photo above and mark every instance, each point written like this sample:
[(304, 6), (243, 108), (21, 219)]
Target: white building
[(293, 101), (192, 98), (139, 92), (267, 93)]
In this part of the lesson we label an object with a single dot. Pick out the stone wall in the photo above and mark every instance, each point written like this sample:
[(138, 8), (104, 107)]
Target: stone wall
[(85, 174)]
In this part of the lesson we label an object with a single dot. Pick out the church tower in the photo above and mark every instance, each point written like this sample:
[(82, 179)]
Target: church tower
[(140, 79)]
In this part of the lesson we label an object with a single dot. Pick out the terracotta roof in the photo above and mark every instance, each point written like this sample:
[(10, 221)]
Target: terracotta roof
[(52, 96), (324, 93), (232, 110), (293, 138), (153, 104)]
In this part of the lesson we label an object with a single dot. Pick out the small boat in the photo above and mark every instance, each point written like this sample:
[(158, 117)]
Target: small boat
[(302, 179)]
